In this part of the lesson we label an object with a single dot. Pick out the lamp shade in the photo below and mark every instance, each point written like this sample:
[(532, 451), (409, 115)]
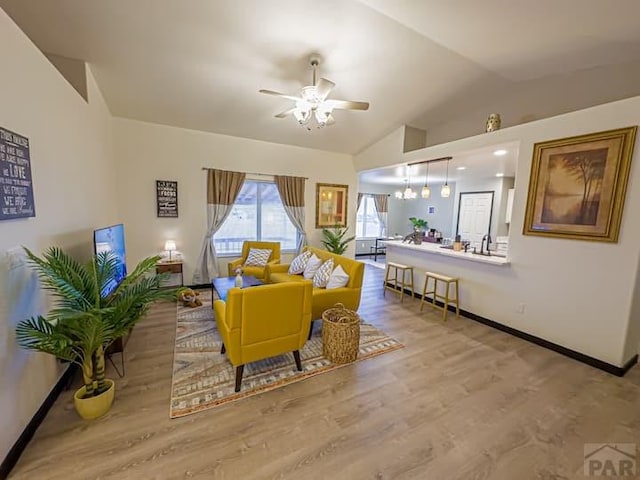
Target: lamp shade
[(170, 245)]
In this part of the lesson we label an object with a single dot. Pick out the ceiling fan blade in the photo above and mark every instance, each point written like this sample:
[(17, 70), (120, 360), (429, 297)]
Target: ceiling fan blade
[(324, 87), (286, 113), (348, 105), (278, 94)]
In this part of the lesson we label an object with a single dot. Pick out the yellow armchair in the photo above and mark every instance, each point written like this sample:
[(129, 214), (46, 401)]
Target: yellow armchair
[(258, 272), (264, 321)]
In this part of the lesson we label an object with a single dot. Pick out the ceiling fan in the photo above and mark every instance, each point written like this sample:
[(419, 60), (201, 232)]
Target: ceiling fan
[(313, 101)]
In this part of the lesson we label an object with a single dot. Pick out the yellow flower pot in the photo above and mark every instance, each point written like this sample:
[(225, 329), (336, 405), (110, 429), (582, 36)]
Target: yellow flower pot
[(94, 407)]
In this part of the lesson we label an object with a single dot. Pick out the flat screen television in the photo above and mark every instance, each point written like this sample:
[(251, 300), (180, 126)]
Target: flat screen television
[(111, 239)]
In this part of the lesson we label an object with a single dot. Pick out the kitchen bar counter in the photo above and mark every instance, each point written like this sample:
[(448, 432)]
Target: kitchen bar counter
[(436, 249)]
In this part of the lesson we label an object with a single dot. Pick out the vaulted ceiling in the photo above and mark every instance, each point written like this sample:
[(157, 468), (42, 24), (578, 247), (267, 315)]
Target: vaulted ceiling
[(200, 63)]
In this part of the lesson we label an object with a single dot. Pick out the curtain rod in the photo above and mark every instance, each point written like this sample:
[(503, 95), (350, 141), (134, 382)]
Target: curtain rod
[(366, 193), (253, 173), (441, 159)]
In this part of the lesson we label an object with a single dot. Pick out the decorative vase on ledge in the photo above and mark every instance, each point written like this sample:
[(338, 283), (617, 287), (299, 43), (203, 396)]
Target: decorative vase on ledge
[(494, 122)]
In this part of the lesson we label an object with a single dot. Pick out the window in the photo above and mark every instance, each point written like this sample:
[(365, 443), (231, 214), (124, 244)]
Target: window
[(258, 214), (367, 223)]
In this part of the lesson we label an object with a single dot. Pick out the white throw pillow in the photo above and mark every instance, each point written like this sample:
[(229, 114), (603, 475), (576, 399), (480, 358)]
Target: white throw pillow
[(338, 278), (321, 277), (312, 267), (299, 263), (258, 257)]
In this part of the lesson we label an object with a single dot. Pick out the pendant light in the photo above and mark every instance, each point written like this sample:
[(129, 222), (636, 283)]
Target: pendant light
[(426, 191), (446, 190), (408, 192)]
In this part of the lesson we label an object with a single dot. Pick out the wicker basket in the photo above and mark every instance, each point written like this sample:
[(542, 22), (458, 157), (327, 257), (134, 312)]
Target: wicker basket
[(340, 334)]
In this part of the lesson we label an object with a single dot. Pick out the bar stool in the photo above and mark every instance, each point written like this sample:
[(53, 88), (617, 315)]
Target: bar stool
[(396, 284), (447, 281)]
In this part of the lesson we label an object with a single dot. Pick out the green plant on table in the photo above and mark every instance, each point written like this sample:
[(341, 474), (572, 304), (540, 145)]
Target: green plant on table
[(419, 223), (334, 240), (86, 319)]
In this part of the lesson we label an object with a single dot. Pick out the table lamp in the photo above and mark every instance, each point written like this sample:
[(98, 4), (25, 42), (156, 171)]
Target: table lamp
[(170, 246)]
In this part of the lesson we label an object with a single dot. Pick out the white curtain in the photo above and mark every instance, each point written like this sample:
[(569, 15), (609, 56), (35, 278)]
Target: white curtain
[(223, 188)]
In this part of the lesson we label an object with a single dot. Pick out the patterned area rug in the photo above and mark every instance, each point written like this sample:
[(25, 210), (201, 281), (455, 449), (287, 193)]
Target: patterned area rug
[(203, 378)]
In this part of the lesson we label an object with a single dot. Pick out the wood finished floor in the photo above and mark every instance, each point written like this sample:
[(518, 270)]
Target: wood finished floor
[(460, 401)]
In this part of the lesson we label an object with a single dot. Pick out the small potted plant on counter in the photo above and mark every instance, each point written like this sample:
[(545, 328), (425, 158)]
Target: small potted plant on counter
[(419, 225)]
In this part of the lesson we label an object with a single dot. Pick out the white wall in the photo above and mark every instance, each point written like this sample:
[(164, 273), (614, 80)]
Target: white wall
[(577, 293), (147, 152), (74, 189)]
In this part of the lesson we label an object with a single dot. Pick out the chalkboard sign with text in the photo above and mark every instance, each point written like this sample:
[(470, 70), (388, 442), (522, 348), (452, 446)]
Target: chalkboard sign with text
[(167, 198), (16, 186)]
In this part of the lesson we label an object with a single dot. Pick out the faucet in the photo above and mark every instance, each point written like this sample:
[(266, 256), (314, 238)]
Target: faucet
[(486, 238)]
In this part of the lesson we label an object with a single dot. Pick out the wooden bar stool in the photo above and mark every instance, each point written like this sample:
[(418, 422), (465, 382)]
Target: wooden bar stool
[(398, 284), (446, 299)]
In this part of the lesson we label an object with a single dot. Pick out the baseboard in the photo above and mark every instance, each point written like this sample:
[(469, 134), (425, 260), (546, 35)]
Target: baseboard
[(581, 357), (198, 286), (27, 434)]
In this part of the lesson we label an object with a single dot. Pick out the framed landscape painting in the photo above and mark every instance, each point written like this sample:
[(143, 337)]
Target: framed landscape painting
[(331, 205), (578, 184)]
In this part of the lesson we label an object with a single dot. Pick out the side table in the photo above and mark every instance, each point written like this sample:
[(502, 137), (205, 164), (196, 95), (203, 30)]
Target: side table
[(176, 277)]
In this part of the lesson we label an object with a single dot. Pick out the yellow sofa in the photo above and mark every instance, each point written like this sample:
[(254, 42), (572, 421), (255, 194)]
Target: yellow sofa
[(349, 295), (258, 272), (264, 321)]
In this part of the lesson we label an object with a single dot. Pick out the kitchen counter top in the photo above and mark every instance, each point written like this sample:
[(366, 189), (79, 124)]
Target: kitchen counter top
[(436, 249)]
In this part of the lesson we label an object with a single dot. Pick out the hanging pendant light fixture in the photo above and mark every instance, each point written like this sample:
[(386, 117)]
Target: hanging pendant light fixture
[(446, 190), (426, 191), (408, 192)]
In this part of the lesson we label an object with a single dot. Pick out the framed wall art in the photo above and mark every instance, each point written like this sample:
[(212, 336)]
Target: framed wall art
[(578, 184), (167, 198), (331, 205)]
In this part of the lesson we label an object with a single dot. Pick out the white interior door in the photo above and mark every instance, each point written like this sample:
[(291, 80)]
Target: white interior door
[(474, 216)]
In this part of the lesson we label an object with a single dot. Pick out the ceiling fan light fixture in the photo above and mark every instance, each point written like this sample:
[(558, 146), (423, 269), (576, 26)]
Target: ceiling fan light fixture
[(302, 116), (312, 101)]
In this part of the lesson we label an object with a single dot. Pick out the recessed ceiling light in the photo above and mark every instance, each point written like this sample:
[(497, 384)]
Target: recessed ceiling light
[(461, 168), (499, 153), (499, 174)]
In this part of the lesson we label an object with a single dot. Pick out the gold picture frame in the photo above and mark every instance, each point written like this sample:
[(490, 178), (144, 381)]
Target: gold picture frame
[(331, 205), (577, 186)]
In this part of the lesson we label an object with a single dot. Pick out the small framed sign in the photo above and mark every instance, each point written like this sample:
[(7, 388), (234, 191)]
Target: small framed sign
[(167, 198), (16, 185)]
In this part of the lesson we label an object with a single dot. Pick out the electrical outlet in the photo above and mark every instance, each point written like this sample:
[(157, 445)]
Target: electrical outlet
[(521, 308)]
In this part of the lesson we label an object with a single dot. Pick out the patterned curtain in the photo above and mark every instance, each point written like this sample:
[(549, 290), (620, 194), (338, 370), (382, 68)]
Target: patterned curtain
[(382, 207), (223, 188), (291, 190), (360, 197)]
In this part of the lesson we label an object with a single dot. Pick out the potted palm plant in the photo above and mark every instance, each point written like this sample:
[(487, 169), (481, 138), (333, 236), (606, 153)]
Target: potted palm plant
[(88, 316), (334, 240)]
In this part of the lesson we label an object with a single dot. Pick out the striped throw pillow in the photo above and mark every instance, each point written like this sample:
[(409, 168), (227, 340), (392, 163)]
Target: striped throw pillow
[(258, 257), (299, 263), (321, 277)]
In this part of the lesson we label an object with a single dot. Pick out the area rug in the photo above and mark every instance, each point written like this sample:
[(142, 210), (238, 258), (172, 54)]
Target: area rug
[(203, 378)]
